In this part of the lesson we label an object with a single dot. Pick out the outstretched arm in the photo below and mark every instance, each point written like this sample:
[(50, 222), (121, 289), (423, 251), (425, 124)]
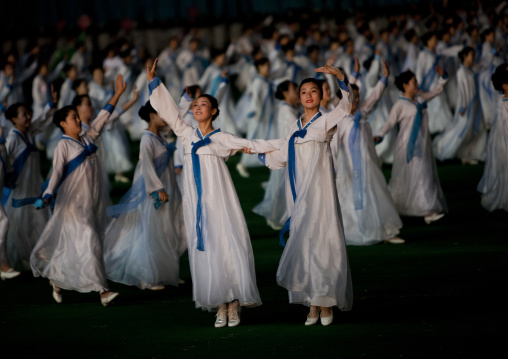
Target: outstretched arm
[(427, 96), (39, 124)]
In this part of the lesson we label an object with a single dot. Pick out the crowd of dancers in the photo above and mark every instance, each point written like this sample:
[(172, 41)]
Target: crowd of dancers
[(322, 107)]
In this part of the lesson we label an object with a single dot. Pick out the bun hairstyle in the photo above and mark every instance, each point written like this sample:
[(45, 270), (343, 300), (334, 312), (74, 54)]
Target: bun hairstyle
[(78, 100), (403, 78), (145, 111), (12, 110), (464, 52), (281, 88), (214, 103), (314, 81), (499, 77), (61, 114)]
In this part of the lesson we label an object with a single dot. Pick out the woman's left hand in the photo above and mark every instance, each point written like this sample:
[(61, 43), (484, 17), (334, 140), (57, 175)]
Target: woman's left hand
[(332, 70)]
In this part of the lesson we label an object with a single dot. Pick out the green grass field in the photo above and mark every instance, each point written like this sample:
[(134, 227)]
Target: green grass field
[(441, 295)]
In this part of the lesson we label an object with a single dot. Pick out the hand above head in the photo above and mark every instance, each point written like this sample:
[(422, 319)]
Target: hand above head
[(120, 85), (150, 72), (54, 94), (386, 69), (357, 65), (332, 70)]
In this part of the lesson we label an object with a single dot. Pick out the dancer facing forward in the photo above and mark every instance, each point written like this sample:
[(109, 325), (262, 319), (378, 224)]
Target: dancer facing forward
[(220, 252), (69, 250), (314, 266)]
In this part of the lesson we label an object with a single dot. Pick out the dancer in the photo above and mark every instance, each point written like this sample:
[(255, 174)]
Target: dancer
[(466, 136), (494, 183), (69, 251), (414, 184), (367, 207), (314, 266), (146, 238), (220, 253)]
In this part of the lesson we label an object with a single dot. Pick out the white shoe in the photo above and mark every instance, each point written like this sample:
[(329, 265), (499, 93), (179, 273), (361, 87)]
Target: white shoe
[(121, 178), (11, 273), (157, 287), (242, 171), (273, 225), (222, 318), (327, 320), (234, 316), (181, 281), (109, 298), (57, 296), (312, 321), (433, 217), (395, 240)]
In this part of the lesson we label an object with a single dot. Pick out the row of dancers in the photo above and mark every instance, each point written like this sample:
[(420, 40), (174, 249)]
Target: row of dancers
[(76, 250)]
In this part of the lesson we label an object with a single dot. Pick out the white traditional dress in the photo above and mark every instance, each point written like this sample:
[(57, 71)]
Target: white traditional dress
[(494, 183), (414, 183), (220, 252), (368, 211), (314, 266), (69, 250), (4, 221)]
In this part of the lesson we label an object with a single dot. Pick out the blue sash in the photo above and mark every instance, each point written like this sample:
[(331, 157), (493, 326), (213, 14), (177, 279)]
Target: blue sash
[(67, 170), (215, 85), (204, 141), (356, 157), (478, 115), (292, 167), (17, 167), (137, 193), (429, 76), (414, 148)]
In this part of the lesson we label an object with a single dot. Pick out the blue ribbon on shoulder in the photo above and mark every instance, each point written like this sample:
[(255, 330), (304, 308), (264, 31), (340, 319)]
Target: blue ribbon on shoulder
[(292, 168), (429, 76), (196, 166), (137, 193), (412, 148), (88, 149), (356, 157)]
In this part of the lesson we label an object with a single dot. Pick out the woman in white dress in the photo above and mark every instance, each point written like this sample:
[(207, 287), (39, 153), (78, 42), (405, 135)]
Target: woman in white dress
[(220, 252), (414, 183), (69, 251), (368, 210), (146, 238), (494, 183), (273, 206), (314, 266), (466, 136)]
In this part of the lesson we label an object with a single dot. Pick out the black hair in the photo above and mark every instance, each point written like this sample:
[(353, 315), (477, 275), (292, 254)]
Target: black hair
[(289, 46), (368, 62), (464, 52), (312, 48), (68, 67), (355, 87), (486, 32), (500, 77), (12, 110), (410, 34), (314, 81), (215, 52), (192, 89), (145, 111), (260, 62), (76, 83), (78, 100), (214, 103), (281, 88), (427, 36), (61, 114), (403, 78)]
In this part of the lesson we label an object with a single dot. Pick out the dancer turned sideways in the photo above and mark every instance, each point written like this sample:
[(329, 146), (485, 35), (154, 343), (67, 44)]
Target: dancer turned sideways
[(69, 250), (314, 266), (220, 252), (414, 184)]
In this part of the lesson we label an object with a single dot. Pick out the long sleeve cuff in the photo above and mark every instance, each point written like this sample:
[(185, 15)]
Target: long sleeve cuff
[(384, 80), (343, 84), (153, 84), (110, 108)]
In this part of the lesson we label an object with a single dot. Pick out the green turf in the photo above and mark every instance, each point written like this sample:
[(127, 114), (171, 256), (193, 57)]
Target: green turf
[(440, 295)]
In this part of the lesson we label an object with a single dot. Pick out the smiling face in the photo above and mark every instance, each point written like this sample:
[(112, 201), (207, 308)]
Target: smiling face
[(310, 95), (202, 109), (23, 119), (72, 124)]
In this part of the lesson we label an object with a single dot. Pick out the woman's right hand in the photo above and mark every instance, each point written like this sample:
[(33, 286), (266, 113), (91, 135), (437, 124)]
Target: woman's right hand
[(150, 72)]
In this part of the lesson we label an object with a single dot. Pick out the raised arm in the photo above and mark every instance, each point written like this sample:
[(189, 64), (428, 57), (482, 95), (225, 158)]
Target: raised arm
[(39, 124), (368, 105), (163, 103), (393, 118), (427, 96), (344, 107)]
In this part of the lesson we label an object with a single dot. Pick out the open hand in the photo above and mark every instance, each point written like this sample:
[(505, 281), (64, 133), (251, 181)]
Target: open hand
[(150, 72), (386, 69), (54, 94), (120, 85), (357, 65), (332, 70)]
